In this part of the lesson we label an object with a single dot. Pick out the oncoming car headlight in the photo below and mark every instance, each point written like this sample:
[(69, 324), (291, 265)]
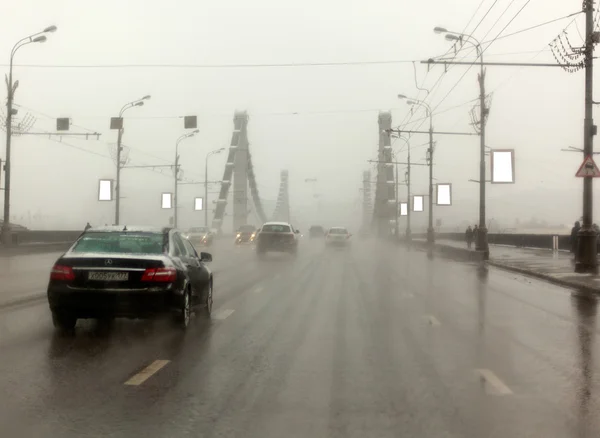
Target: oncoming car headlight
[(238, 235)]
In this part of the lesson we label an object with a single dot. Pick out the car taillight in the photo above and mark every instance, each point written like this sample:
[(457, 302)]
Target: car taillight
[(62, 273), (160, 275)]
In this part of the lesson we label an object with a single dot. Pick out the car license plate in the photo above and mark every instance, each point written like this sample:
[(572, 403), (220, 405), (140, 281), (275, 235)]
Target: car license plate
[(108, 276)]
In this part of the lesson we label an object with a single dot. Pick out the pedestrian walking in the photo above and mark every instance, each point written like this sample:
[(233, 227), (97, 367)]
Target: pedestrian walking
[(574, 232), (475, 234), (469, 236)]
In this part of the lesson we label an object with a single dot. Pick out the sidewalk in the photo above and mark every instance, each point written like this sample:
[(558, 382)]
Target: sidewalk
[(555, 267)]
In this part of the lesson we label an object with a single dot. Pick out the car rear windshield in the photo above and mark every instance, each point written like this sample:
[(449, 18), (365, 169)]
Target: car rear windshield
[(271, 228), (338, 231), (121, 243)]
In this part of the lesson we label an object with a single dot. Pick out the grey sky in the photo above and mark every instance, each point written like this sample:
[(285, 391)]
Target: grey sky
[(535, 111)]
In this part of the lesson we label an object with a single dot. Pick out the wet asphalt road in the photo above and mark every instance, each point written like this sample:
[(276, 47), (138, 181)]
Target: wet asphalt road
[(374, 341)]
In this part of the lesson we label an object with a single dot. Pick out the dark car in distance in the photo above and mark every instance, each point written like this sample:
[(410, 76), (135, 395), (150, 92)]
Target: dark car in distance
[(316, 231), (277, 236), (130, 272), (245, 234), (201, 236)]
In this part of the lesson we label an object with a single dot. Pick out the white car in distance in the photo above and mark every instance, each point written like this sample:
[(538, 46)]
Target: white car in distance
[(337, 236)]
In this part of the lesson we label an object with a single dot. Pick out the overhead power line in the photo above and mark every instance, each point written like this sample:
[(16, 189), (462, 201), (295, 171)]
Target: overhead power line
[(535, 27), (483, 51), (288, 65)]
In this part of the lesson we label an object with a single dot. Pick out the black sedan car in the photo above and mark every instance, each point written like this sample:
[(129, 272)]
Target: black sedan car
[(130, 272)]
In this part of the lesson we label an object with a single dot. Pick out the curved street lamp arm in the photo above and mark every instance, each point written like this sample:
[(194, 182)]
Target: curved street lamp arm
[(423, 104), (465, 37), (126, 107), (25, 41)]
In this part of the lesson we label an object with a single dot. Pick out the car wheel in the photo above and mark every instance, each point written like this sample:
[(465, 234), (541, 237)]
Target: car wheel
[(183, 315), (207, 308), (63, 321)]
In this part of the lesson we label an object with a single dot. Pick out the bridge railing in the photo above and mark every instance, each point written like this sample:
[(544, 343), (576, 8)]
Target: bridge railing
[(542, 241)]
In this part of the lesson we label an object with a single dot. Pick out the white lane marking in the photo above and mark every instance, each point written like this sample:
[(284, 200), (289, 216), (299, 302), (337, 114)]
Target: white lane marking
[(494, 381), (223, 314), (569, 274), (146, 373), (258, 289), (432, 320)]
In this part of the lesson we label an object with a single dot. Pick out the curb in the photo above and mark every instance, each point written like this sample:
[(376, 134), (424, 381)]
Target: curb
[(22, 300), (34, 248), (451, 251), (546, 277)]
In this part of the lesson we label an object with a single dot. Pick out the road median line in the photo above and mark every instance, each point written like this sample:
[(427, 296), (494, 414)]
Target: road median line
[(223, 314), (146, 373), (494, 381)]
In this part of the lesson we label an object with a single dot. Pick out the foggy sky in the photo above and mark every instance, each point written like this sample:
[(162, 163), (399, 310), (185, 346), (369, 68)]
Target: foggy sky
[(316, 121)]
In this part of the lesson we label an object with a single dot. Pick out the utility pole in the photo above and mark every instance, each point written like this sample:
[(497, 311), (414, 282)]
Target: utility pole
[(117, 123), (118, 181), (11, 87), (482, 239), (408, 232), (175, 182), (587, 256), (205, 206), (176, 172), (460, 38), (396, 192), (430, 230), (407, 175)]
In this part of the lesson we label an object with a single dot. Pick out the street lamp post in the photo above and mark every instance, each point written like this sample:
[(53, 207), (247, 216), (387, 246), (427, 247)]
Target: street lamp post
[(482, 238), (176, 172), (139, 102), (205, 206), (430, 230), (38, 37)]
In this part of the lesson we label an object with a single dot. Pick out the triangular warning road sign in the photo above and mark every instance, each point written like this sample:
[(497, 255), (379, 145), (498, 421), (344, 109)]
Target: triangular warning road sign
[(588, 169)]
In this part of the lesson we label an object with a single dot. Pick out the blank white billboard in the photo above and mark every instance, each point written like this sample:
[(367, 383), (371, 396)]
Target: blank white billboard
[(198, 204), (166, 200), (444, 194), (404, 209), (503, 166), (418, 204), (105, 190)]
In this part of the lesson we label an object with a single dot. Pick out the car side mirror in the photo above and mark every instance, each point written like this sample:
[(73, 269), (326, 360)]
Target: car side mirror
[(205, 257), (297, 232)]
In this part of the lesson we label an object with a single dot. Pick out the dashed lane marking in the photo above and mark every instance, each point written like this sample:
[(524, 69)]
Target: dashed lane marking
[(432, 320), (494, 381), (147, 372), (223, 314)]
